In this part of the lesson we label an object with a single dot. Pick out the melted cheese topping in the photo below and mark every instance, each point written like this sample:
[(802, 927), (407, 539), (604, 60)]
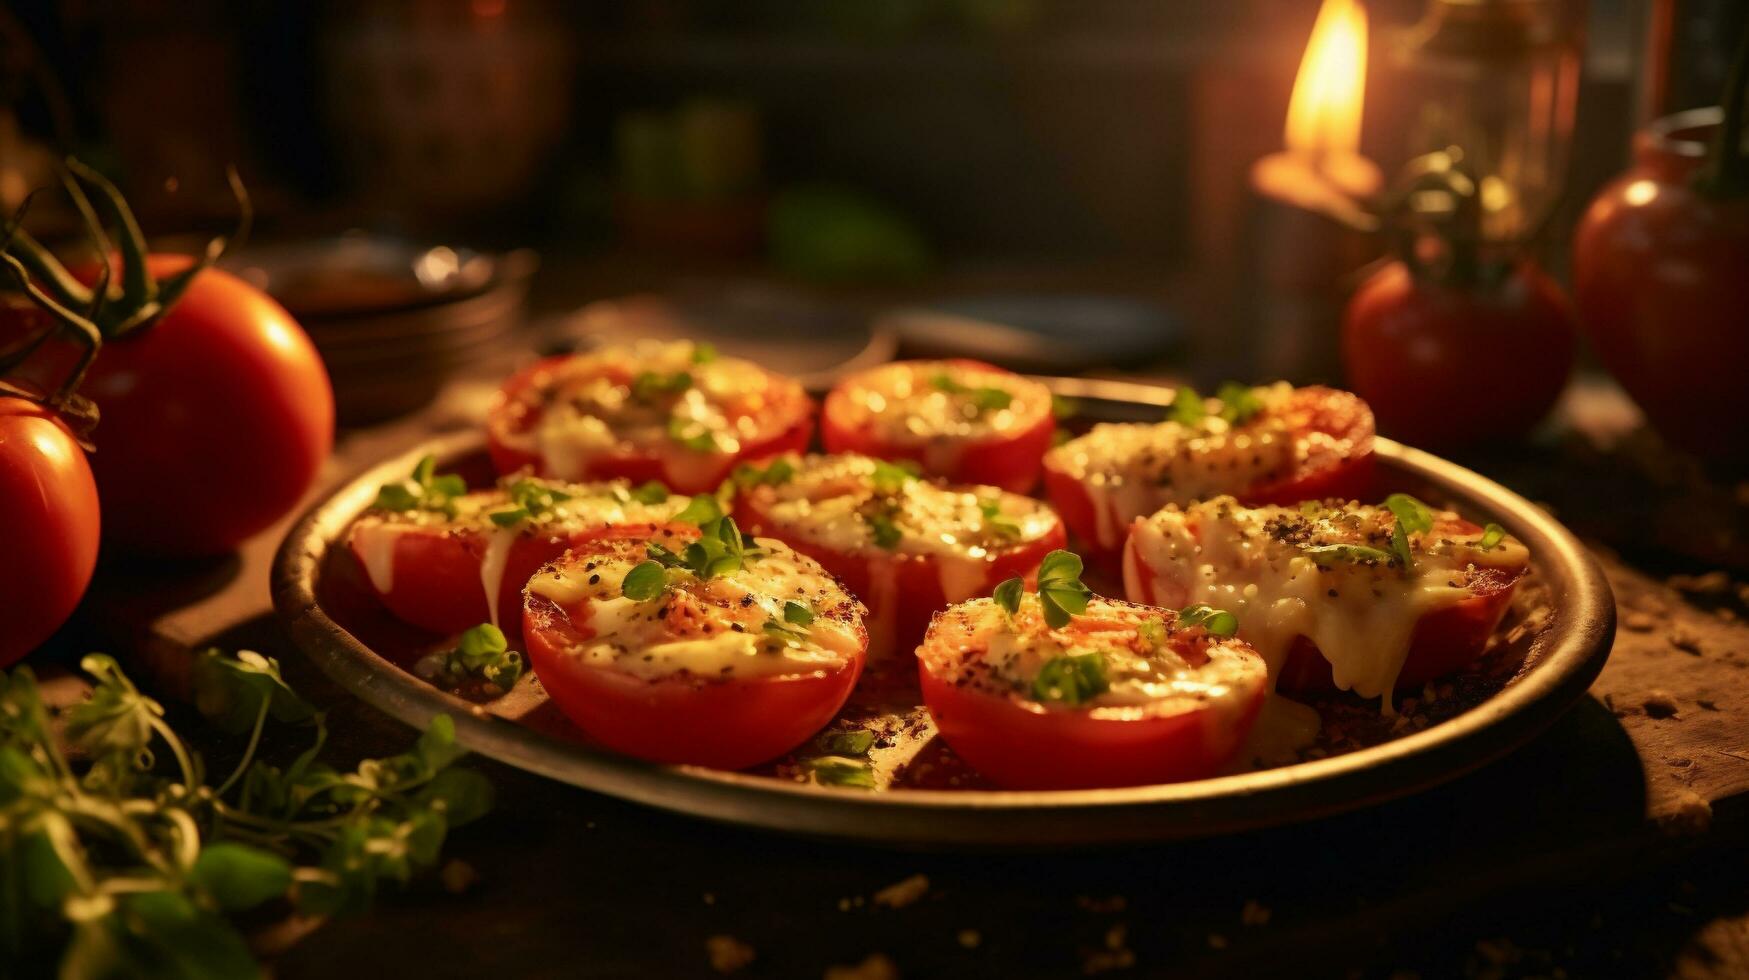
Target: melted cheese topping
[(1135, 468), (977, 644), (588, 506), (1361, 614), (709, 629), (591, 408), (903, 404)]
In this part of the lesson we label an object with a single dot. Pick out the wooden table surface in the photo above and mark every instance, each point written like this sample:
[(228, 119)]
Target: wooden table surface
[(1615, 844)]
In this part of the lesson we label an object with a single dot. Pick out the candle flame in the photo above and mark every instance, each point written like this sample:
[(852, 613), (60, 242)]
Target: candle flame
[(1323, 117)]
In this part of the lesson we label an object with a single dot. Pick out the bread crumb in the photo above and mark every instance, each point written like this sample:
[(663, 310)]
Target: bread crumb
[(1684, 639), (970, 938), (458, 876), (876, 966), (1689, 815), (1639, 622), (1659, 704), (727, 954), (1254, 913), (902, 893)]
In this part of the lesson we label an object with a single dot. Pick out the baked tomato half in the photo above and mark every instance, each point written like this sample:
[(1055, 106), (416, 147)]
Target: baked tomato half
[(905, 545), (444, 559), (964, 421), (1335, 595), (694, 648), (1119, 695), (1275, 444), (668, 411)]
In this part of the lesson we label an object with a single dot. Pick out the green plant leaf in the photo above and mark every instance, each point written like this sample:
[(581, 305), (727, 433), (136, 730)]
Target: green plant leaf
[(1071, 679), (1009, 593), (1219, 622), (239, 876)]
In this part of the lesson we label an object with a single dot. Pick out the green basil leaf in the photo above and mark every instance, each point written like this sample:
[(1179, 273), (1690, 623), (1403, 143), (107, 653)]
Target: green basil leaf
[(644, 582), (1239, 403), (1492, 535), (240, 876), (703, 352), (509, 518), (856, 743), (650, 492), (1071, 679), (1216, 621), (1325, 554), (1008, 594), (1187, 407), (842, 772), (797, 614), (702, 509)]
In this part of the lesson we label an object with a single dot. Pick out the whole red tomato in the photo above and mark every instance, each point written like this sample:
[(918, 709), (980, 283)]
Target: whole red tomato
[(1661, 277), (1447, 364), (215, 419), (48, 521)]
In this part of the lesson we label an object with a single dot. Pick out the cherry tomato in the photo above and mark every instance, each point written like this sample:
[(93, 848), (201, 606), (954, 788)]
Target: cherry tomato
[(1131, 707), (1447, 365), (907, 547), (1659, 274), (1101, 481), (673, 412), (707, 671), (215, 420), (962, 420), (48, 521)]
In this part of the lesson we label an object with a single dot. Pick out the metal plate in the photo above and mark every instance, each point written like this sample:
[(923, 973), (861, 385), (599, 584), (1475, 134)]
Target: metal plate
[(1570, 647)]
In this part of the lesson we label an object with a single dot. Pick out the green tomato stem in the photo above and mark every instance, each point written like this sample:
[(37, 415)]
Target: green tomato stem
[(248, 750)]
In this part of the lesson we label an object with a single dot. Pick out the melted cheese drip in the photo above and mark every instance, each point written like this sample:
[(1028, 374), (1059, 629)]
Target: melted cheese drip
[(1130, 469), (1360, 615), (492, 568), (900, 404), (635, 638), (375, 543)]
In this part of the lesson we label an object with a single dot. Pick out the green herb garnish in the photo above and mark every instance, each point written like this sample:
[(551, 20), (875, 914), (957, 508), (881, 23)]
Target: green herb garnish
[(1326, 554), (996, 521), (797, 614), (692, 435), (647, 579), (702, 509), (703, 352), (648, 386), (778, 472), (1071, 679), (1009, 593), (424, 490), (1217, 621), (886, 533), (482, 651), (856, 742), (1492, 535), (1239, 403), (648, 492), (1060, 589), (852, 773), (1187, 407), (1413, 517), (1152, 632), (889, 478), (1063, 407), (123, 866), (983, 399), (530, 500)]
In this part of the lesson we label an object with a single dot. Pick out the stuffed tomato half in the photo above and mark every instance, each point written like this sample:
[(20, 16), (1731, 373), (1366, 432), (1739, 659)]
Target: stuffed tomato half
[(905, 545), (1346, 595), (1271, 444), (964, 421), (444, 559), (1045, 691), (695, 646), (669, 411)]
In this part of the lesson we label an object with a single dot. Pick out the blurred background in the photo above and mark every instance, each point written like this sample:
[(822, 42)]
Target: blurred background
[(1051, 184)]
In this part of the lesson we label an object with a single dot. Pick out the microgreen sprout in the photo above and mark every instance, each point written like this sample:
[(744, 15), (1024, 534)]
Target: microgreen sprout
[(1071, 679), (423, 490)]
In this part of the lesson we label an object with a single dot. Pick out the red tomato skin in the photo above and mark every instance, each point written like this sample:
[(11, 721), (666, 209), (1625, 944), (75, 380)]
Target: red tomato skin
[(637, 467), (215, 420), (1661, 280), (1445, 366), (1345, 477), (1010, 462), (899, 626), (1018, 746), (436, 584), (720, 724), (49, 521), (1443, 642)]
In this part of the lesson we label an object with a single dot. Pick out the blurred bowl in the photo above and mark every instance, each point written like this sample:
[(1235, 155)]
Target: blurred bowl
[(392, 319)]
